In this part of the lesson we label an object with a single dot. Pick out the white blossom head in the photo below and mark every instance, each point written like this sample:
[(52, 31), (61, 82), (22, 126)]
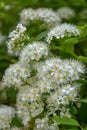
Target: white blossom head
[(27, 15), (65, 13), (61, 31), (6, 115), (44, 123), (16, 75), (33, 51), (62, 97), (65, 112), (48, 15), (16, 40), (29, 104), (44, 14), (54, 72)]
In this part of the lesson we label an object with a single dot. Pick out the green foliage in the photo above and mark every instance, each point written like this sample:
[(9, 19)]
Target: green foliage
[(68, 45), (4, 59), (83, 59), (11, 96), (66, 121), (73, 110), (84, 100), (86, 128), (16, 122), (82, 114), (41, 36)]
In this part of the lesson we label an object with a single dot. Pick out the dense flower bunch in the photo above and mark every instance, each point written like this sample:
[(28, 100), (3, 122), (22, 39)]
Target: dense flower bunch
[(15, 75), (17, 40), (65, 13), (29, 100), (46, 83), (61, 31), (44, 14), (34, 51), (6, 115)]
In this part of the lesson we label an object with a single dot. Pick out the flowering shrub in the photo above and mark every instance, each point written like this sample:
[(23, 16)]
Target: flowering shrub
[(48, 73)]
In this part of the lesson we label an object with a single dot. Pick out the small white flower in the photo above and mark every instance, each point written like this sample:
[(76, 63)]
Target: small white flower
[(16, 40), (44, 14), (16, 75), (61, 98), (65, 112), (16, 33), (34, 51), (42, 123), (53, 126), (54, 72), (6, 115), (29, 103), (65, 13), (62, 30)]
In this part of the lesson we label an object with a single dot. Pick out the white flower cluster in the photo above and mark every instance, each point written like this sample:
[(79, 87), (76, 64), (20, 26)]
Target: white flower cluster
[(44, 14), (54, 72), (56, 77), (61, 31), (16, 40), (62, 97), (29, 104), (65, 13), (16, 75), (33, 51), (44, 124), (47, 84), (6, 115)]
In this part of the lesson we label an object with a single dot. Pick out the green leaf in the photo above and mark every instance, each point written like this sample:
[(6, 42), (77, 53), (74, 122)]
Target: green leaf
[(70, 41), (81, 81), (84, 100), (16, 122), (83, 59), (41, 35), (73, 110), (66, 121), (85, 50), (44, 95), (85, 128), (68, 45)]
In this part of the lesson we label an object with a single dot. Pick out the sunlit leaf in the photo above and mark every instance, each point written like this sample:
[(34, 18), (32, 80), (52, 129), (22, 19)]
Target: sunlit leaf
[(84, 100), (65, 121), (83, 59)]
